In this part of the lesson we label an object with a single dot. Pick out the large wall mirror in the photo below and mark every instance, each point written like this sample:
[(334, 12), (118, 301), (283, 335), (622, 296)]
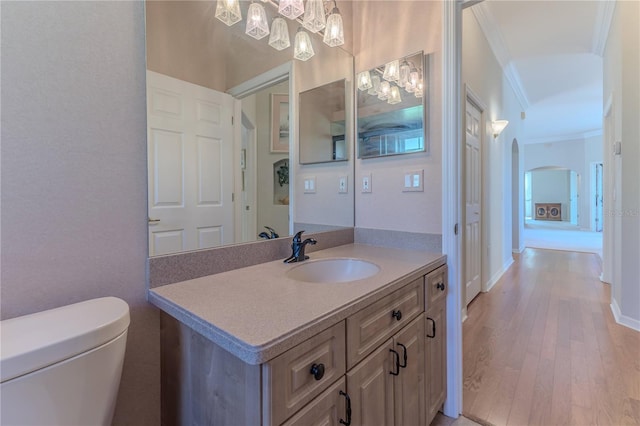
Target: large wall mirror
[(391, 108), (222, 110)]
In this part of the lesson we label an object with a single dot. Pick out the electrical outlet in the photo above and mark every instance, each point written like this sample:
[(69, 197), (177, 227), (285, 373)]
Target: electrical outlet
[(366, 183), (342, 185)]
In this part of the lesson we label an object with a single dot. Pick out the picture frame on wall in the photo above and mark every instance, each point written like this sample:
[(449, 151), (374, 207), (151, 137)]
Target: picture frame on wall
[(279, 123)]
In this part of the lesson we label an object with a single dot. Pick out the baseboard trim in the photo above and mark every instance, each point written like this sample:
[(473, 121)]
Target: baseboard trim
[(496, 277), (623, 319)]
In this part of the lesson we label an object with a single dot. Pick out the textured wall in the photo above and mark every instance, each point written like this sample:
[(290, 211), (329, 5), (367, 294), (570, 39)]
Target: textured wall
[(74, 173)]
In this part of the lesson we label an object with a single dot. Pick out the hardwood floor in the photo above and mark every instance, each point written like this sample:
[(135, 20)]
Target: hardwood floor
[(542, 347)]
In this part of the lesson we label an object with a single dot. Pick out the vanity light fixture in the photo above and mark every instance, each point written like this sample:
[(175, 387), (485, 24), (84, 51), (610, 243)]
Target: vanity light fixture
[(279, 38), (314, 19), (291, 8), (257, 26), (392, 71), (498, 126), (302, 49), (364, 81), (228, 11), (334, 31), (394, 95)]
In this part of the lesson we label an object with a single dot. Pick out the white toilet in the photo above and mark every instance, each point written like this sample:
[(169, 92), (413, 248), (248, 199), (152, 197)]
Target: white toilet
[(63, 366)]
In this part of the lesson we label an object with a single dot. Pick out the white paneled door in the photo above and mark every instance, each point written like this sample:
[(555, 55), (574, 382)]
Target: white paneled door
[(190, 164), (473, 181)]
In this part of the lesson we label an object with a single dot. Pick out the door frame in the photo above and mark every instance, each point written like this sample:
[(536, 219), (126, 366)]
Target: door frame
[(473, 98), (247, 88)]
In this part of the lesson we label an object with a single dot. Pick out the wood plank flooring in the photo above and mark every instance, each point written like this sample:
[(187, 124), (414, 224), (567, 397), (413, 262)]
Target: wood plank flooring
[(542, 347)]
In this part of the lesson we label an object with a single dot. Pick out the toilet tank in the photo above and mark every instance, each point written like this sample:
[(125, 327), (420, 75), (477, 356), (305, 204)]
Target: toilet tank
[(63, 366)]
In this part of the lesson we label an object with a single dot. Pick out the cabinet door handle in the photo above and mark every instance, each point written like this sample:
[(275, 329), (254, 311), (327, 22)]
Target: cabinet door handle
[(397, 314), (348, 422), (397, 357), (404, 356), (318, 371), (440, 286), (434, 328)]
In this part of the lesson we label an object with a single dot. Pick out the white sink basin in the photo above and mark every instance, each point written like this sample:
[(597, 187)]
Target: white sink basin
[(333, 270)]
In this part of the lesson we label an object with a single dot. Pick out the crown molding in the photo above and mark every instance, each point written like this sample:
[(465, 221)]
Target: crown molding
[(603, 25), (565, 137), (499, 48)]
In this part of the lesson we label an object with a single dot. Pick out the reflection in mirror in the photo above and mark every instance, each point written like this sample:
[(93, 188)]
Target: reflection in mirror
[(322, 124), (391, 113), (218, 106)]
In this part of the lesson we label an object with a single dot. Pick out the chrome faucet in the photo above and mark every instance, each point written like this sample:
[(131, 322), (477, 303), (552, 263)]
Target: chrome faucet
[(297, 248)]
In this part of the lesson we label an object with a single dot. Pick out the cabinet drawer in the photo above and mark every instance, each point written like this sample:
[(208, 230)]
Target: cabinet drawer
[(327, 409), (297, 376), (370, 327), (436, 286)]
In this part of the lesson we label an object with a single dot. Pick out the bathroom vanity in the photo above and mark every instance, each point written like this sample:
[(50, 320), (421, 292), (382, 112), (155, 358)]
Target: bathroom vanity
[(263, 345)]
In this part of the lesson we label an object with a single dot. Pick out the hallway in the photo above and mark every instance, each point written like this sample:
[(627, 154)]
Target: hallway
[(542, 347)]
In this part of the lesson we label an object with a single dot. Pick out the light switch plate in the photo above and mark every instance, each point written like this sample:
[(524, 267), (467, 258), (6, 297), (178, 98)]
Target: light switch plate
[(413, 181), (366, 183), (310, 185), (343, 187)]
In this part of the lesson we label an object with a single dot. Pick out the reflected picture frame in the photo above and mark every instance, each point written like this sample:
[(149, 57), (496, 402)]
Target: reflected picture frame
[(279, 123)]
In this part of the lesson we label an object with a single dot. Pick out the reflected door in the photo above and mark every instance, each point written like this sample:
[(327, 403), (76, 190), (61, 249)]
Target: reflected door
[(473, 178), (190, 160)]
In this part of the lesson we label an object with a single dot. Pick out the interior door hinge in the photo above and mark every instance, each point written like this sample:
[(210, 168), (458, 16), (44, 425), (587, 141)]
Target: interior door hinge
[(232, 120), (455, 229), (233, 197)]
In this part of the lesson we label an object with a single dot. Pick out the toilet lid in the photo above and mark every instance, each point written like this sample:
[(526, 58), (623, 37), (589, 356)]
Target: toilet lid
[(35, 341)]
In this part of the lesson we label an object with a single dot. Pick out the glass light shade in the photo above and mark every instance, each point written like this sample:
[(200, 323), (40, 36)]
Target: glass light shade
[(291, 8), (414, 77), (334, 32), (228, 11), (419, 89), (375, 85), (405, 70), (314, 19), (364, 81), (302, 48), (391, 71), (257, 26), (394, 95), (385, 88), (498, 126), (279, 38)]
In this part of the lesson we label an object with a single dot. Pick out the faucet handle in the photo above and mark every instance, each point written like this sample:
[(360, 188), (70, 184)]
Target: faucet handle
[(298, 237)]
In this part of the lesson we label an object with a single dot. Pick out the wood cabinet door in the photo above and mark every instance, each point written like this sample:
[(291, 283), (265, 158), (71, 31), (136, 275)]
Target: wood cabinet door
[(370, 387), (326, 410), (409, 387), (436, 359)]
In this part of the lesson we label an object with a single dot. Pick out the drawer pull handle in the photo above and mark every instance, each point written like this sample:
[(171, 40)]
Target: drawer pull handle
[(440, 286), (397, 357), (404, 356), (318, 371), (348, 422), (397, 314), (434, 328)]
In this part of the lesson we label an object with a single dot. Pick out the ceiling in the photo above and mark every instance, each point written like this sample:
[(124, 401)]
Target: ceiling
[(551, 53)]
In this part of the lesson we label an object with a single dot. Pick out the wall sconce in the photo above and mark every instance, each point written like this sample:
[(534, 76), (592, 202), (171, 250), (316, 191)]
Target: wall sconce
[(498, 126)]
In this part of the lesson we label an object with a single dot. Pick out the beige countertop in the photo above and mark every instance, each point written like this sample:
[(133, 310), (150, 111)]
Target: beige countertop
[(257, 313)]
